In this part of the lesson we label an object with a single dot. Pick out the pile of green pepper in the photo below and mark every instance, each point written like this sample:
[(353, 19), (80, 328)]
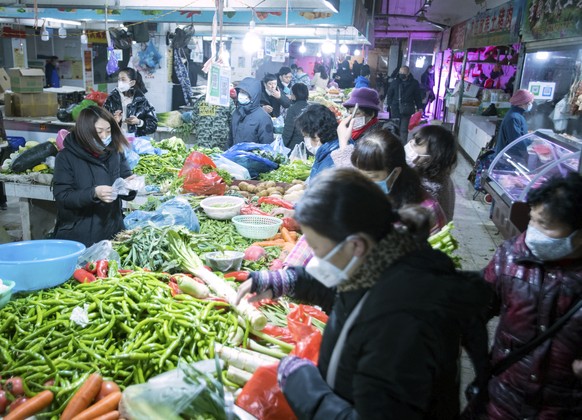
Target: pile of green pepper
[(136, 331)]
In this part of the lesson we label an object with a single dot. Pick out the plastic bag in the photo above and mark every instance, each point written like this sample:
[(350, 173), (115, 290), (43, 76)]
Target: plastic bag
[(237, 171), (98, 97), (102, 250), (189, 391), (279, 147), (279, 124), (132, 158), (112, 64), (61, 138), (176, 211), (123, 186), (414, 120), (299, 152), (142, 146), (242, 153), (197, 179)]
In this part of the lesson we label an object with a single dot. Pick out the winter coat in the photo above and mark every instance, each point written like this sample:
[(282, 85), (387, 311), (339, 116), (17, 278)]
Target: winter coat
[(362, 82), (323, 159), (80, 216), (318, 82), (512, 127), (442, 190), (303, 78), (400, 359), (212, 128), (291, 134), (250, 123), (427, 81), (406, 92), (140, 107), (530, 296), (275, 103)]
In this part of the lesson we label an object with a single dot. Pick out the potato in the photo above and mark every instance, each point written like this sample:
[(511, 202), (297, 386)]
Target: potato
[(245, 194), (272, 190), (262, 186), (277, 195), (234, 188), (280, 189), (296, 187), (252, 188), (263, 193), (297, 181), (243, 186), (271, 184)]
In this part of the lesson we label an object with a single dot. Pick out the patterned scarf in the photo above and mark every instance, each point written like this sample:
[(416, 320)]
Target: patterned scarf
[(391, 248)]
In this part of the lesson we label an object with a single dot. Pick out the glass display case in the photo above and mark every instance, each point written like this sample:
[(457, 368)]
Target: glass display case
[(524, 164)]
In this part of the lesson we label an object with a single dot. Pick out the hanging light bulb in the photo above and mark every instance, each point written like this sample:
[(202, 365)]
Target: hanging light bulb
[(357, 52), (344, 49), (224, 55), (62, 31), (44, 35), (318, 54), (84, 39), (302, 48), (327, 47), (252, 42)]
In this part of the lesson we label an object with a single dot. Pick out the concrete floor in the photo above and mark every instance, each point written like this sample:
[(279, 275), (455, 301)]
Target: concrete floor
[(477, 236)]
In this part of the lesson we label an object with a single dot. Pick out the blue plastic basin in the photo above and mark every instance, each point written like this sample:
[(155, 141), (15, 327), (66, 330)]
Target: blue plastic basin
[(41, 264)]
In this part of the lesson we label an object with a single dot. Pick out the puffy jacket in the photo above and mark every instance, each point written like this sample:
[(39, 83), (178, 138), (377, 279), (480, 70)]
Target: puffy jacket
[(291, 134), (530, 297), (140, 107), (362, 82), (80, 216), (512, 127), (275, 103), (405, 92), (323, 159), (250, 123), (400, 359)]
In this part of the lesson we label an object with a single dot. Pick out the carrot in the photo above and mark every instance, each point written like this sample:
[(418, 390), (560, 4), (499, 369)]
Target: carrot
[(101, 407), (83, 397), (32, 406), (274, 242), (112, 415), (285, 235)]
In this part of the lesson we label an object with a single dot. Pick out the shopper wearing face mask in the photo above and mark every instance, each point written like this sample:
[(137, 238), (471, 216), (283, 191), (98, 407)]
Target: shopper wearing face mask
[(85, 170), (129, 106), (514, 124), (319, 127), (404, 98), (537, 278), (366, 116), (391, 346), (249, 122), (432, 152), (272, 97)]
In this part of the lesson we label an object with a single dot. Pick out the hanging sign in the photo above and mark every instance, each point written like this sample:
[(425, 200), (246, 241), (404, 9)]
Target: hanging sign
[(218, 89), (457, 39), (542, 90), (496, 26), (545, 19)]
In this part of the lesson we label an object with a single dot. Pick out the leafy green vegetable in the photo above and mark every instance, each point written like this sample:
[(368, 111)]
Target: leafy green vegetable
[(289, 172), (170, 119)]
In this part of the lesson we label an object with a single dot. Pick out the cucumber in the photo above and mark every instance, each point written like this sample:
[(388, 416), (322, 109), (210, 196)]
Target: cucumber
[(32, 157)]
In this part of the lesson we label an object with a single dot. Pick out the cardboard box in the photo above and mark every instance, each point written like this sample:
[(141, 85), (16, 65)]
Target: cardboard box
[(26, 80), (42, 104), (4, 81)]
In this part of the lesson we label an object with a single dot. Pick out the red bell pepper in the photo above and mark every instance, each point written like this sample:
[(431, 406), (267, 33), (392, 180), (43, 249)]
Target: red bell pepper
[(91, 267), (83, 276), (289, 223), (237, 275), (102, 267), (279, 202)]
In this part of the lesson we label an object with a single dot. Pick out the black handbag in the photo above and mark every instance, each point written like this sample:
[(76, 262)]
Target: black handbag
[(477, 396)]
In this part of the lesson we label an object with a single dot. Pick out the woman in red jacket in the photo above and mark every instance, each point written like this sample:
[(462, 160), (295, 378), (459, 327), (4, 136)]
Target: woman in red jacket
[(537, 278)]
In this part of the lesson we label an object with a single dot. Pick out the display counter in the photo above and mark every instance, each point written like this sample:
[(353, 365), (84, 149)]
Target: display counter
[(475, 132), (43, 128), (524, 164)]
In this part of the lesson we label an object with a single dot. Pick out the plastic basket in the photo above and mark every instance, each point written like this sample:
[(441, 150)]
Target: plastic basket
[(223, 207), (257, 227), (6, 294)]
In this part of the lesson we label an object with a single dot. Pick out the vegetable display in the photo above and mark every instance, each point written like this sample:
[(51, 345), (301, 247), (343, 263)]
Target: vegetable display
[(444, 241), (33, 156), (289, 172)]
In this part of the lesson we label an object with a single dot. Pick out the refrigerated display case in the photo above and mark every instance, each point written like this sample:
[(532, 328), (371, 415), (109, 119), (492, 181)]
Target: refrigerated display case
[(524, 164)]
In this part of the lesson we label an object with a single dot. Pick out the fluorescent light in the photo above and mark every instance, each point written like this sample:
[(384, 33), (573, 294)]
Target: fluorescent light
[(542, 55), (64, 22)]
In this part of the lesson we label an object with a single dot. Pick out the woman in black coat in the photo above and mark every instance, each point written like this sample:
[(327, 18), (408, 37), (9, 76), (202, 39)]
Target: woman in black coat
[(390, 348), (129, 106), (85, 170), (291, 134)]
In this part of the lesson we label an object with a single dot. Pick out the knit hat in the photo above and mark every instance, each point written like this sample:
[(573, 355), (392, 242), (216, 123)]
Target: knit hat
[(521, 97), (365, 98)]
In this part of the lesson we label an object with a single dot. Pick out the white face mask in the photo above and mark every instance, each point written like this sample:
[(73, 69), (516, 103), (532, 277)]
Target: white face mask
[(411, 155), (309, 146), (528, 107), (243, 99), (327, 273), (359, 122), (546, 248), (123, 86)]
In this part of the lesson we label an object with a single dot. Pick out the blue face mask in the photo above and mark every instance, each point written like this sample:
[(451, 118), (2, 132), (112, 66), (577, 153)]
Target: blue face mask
[(243, 99), (384, 183), (107, 140)]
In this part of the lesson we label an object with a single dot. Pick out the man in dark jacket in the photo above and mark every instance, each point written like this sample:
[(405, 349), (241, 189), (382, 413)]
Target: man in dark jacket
[(292, 136), (273, 99), (404, 98), (250, 123), (537, 278)]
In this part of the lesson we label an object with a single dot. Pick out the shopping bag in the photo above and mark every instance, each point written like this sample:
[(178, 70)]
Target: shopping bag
[(299, 152), (237, 171), (414, 120), (253, 156), (279, 147), (199, 178)]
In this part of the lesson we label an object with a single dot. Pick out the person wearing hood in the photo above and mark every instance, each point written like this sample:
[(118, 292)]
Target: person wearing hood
[(250, 123), (404, 98), (397, 308), (514, 124), (129, 106), (363, 80), (88, 210)]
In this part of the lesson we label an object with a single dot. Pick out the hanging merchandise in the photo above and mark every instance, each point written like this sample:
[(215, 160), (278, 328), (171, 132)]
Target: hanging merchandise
[(181, 71), (218, 89), (149, 58), (120, 37), (112, 65)]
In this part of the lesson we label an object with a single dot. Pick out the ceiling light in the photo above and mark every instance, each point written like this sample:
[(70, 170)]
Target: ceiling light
[(344, 49), (44, 35), (542, 55), (318, 54), (62, 31), (252, 42), (302, 48), (84, 39), (357, 52), (327, 47)]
